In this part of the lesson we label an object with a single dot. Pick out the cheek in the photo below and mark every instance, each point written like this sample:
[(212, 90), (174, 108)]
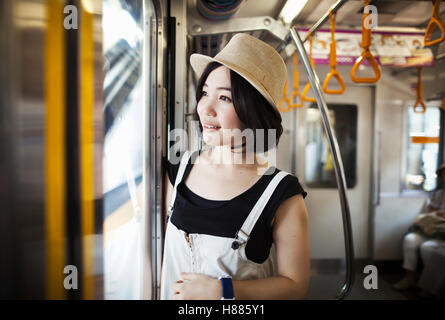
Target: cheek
[(225, 115), (199, 110), (231, 120)]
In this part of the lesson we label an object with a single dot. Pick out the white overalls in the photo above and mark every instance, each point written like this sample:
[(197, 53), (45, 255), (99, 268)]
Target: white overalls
[(212, 255)]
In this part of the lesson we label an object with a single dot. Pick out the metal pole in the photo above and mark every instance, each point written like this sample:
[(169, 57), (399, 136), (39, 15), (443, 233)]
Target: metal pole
[(323, 19), (338, 163)]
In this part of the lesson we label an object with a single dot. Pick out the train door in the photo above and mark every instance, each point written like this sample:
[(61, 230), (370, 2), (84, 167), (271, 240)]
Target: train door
[(133, 53), (352, 117)]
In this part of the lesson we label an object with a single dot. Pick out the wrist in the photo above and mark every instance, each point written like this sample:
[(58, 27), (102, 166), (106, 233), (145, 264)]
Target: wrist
[(217, 289)]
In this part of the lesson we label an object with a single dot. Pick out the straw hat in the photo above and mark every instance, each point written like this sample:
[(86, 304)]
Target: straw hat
[(254, 60)]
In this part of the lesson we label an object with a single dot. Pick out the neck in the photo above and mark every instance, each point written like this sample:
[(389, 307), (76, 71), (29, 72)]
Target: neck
[(235, 156)]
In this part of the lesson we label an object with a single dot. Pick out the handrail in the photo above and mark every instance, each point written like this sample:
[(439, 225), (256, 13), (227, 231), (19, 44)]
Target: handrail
[(419, 91), (308, 85), (435, 20), (338, 164), (366, 53), (333, 62), (296, 93)]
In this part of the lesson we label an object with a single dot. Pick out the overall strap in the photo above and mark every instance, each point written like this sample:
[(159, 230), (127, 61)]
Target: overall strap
[(244, 233), (182, 166)]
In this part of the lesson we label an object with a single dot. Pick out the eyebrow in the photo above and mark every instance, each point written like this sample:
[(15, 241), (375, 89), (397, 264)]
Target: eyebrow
[(219, 88)]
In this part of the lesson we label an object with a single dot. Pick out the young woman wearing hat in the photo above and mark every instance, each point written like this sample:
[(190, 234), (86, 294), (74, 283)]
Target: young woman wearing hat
[(236, 229)]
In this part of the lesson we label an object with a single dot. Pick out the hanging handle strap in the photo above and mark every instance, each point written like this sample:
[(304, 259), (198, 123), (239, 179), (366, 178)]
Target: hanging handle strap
[(366, 54), (419, 106), (436, 20), (334, 73), (296, 94), (333, 62), (303, 94), (308, 85), (284, 100)]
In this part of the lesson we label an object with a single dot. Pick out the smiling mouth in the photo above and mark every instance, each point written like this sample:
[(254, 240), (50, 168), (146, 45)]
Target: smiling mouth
[(210, 127)]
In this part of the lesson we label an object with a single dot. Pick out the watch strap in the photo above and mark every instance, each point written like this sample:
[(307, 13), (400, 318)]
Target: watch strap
[(227, 288)]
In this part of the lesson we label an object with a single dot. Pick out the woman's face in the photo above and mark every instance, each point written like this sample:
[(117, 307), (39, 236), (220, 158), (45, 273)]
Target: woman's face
[(215, 109)]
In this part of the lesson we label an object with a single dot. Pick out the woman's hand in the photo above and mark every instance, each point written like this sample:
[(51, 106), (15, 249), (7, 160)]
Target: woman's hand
[(196, 287)]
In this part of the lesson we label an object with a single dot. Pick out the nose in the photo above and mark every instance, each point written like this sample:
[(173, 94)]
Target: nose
[(206, 107)]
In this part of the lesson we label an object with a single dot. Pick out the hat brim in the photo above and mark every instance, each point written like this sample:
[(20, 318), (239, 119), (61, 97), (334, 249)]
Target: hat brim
[(199, 62)]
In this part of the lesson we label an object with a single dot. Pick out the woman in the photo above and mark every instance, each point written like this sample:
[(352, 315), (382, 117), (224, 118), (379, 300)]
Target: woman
[(424, 238), (237, 228)]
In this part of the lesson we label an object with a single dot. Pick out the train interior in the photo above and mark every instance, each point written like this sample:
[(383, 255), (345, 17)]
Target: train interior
[(91, 95)]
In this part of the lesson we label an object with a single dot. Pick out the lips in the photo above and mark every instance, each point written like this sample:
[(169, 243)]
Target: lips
[(210, 126)]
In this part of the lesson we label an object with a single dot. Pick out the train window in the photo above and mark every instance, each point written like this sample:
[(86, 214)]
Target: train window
[(319, 167), (422, 149), (123, 180)]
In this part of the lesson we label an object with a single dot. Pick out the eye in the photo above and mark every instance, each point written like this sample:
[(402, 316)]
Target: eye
[(204, 93), (226, 99)]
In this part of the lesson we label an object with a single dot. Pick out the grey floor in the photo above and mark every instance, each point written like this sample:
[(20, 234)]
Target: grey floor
[(328, 285), (328, 277)]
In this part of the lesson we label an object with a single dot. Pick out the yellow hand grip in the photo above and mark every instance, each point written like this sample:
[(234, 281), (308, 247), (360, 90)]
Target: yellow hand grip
[(291, 98), (422, 105), (366, 55), (284, 100), (436, 20), (419, 100), (333, 62), (308, 85), (303, 94), (334, 73), (296, 93)]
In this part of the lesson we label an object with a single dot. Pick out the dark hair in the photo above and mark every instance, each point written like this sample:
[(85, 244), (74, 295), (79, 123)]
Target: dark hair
[(250, 105)]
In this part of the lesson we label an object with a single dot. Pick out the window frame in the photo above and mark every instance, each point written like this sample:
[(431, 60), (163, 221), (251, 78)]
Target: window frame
[(404, 191), (350, 182)]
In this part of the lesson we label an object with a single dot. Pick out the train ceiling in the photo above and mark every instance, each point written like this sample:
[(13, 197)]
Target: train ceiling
[(392, 13)]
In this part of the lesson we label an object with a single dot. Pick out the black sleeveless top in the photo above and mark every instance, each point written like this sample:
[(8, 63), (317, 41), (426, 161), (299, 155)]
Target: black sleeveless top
[(194, 214)]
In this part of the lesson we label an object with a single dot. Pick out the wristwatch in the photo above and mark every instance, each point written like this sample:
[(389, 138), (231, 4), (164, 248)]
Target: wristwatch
[(227, 288)]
